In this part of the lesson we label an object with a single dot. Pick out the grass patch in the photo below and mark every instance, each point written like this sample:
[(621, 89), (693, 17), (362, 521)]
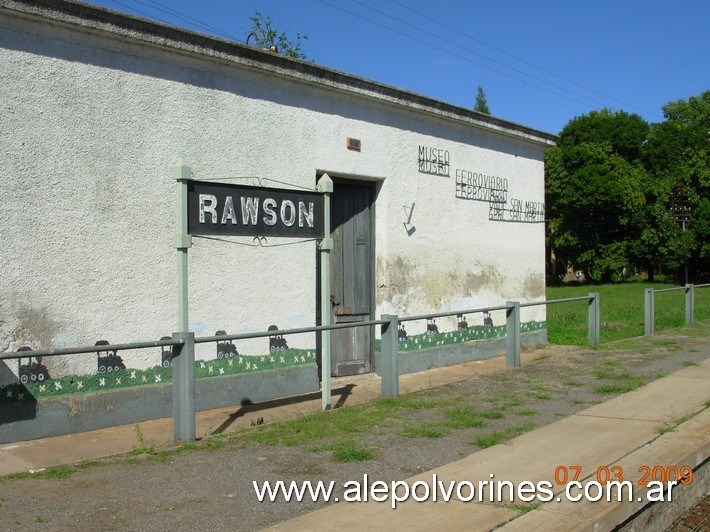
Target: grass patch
[(463, 418), (489, 440), (621, 386), (619, 380), (59, 472), (515, 401), (522, 508), (670, 427), (492, 414), (689, 363), (87, 464), (142, 447), (572, 383), (542, 396), (495, 437), (349, 451), (526, 412), (622, 306), (425, 431)]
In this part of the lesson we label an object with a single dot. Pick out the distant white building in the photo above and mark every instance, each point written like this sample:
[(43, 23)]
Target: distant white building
[(435, 207)]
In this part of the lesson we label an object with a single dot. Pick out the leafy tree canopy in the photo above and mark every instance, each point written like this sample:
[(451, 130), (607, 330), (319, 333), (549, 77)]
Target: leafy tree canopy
[(621, 192), (624, 132), (695, 111)]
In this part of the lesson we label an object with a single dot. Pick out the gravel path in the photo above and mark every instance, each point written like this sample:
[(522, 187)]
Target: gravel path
[(210, 487)]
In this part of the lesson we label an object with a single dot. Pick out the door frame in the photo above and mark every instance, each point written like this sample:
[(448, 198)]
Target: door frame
[(375, 185)]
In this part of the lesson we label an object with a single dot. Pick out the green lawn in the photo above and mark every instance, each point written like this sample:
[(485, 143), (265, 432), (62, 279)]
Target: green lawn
[(622, 311)]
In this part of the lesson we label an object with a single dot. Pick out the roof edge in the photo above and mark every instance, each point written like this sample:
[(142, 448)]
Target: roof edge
[(104, 20)]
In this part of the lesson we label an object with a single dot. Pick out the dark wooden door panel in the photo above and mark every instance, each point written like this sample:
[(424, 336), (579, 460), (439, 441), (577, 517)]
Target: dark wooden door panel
[(351, 277)]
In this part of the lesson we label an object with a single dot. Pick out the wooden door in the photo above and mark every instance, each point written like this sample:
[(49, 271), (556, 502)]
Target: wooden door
[(351, 277)]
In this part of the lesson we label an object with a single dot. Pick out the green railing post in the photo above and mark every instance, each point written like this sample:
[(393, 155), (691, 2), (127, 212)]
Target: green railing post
[(648, 313), (593, 319), (184, 387), (689, 303), (389, 364), (512, 334)]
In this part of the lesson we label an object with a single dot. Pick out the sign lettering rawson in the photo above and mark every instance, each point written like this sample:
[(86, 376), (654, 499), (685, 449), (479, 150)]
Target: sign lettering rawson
[(238, 210)]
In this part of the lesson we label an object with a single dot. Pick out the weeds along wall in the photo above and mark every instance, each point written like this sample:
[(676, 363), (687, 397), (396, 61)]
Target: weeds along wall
[(97, 107)]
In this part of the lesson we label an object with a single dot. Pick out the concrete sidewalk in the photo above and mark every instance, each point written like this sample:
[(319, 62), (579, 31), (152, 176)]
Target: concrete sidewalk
[(623, 431)]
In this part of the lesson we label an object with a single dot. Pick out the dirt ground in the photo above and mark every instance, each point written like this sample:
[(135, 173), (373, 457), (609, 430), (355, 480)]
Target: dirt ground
[(210, 487)]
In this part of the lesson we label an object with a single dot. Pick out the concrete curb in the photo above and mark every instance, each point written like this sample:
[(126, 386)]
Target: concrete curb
[(624, 431)]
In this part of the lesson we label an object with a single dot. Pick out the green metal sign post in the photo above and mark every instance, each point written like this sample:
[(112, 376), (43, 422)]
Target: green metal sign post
[(183, 356), (325, 185)]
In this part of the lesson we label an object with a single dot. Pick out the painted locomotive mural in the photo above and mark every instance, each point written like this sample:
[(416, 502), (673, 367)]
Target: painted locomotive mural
[(226, 348), (108, 361), (31, 371), (277, 342)]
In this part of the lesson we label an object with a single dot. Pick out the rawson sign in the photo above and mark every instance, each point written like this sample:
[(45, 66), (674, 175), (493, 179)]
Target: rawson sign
[(238, 210)]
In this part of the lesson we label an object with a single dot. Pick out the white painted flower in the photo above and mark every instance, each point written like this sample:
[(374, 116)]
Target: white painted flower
[(133, 374), (158, 378), (102, 382), (221, 371), (57, 385)]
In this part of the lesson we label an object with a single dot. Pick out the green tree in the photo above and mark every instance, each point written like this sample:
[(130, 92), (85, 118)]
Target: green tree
[(677, 156), (624, 132), (621, 192), (594, 191), (481, 102), (593, 198), (264, 35)]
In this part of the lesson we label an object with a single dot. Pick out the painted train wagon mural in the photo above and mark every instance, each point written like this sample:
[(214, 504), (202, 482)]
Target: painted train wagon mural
[(35, 381)]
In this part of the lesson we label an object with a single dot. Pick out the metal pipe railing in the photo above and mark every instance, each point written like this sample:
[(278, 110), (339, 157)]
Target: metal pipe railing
[(183, 350), (88, 349), (649, 305)]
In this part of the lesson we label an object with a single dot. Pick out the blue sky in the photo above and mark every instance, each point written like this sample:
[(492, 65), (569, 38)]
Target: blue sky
[(540, 63)]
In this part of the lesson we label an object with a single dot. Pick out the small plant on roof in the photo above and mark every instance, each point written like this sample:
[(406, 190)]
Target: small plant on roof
[(264, 35)]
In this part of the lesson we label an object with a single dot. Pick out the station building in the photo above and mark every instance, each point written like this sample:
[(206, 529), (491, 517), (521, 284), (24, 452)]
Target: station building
[(435, 207)]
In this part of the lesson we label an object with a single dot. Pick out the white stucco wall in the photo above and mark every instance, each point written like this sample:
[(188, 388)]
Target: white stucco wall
[(89, 128)]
